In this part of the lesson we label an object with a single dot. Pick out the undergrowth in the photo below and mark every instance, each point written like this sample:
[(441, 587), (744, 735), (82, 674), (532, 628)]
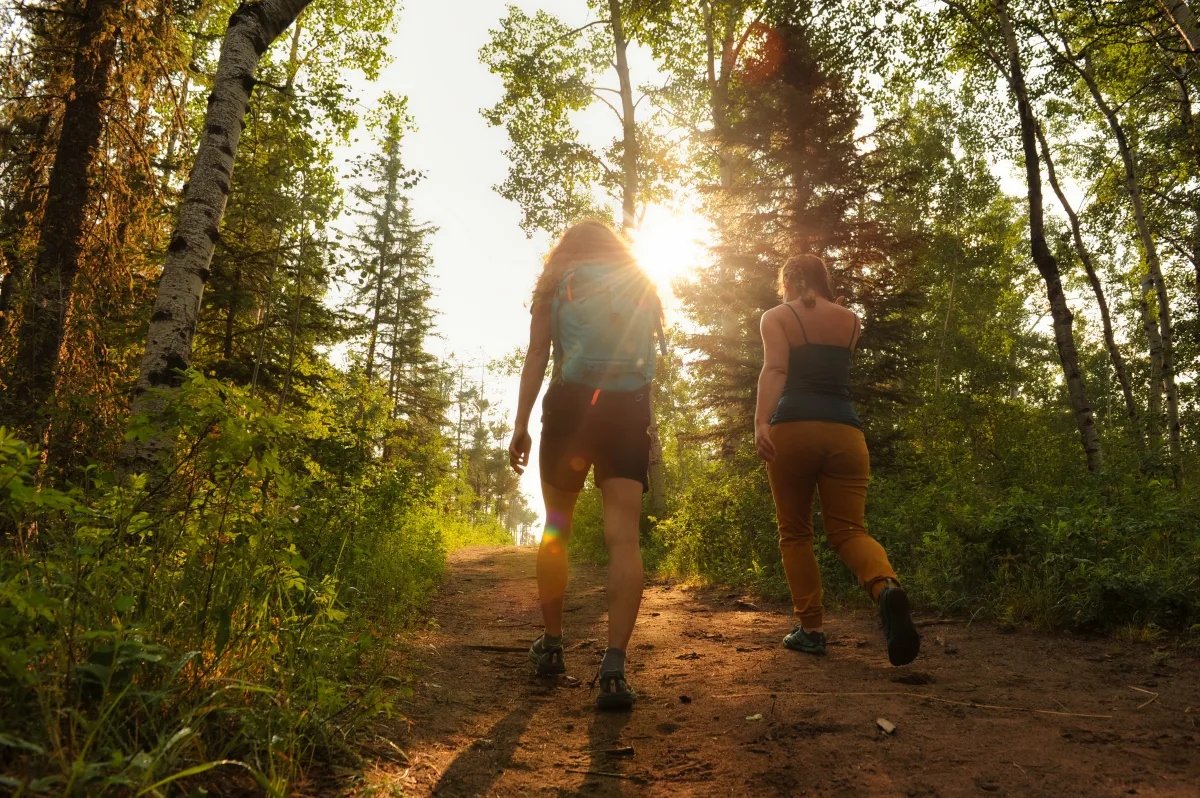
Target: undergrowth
[(1103, 553), (233, 613)]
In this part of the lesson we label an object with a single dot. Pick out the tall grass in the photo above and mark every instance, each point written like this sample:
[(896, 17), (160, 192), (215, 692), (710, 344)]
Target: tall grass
[(232, 614)]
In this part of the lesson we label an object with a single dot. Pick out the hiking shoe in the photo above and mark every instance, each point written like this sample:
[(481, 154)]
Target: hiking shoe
[(903, 640), (808, 642), (615, 692), (548, 660)]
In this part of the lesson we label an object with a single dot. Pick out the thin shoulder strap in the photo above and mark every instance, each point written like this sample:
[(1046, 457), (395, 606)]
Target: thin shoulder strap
[(803, 331), (854, 335)]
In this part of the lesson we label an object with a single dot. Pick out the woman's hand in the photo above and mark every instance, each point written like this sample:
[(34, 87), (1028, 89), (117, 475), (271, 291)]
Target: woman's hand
[(763, 443), (518, 450)]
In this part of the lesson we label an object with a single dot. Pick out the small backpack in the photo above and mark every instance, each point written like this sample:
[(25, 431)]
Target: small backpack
[(603, 323)]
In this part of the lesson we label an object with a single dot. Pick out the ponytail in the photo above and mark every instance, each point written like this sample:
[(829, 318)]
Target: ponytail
[(807, 276)]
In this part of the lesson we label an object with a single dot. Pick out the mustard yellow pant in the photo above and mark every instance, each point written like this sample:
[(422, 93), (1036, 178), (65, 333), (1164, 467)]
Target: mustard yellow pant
[(831, 458)]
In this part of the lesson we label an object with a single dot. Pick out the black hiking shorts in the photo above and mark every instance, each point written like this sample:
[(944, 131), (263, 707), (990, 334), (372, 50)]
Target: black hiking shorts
[(583, 427)]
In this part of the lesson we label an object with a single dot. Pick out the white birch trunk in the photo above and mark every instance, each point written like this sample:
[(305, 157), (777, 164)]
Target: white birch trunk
[(1150, 250), (252, 29), (1180, 15), (1085, 257)]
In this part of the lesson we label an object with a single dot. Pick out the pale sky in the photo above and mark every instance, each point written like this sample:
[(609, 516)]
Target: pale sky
[(484, 266)]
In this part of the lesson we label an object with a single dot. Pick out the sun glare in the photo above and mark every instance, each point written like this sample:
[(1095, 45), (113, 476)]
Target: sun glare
[(669, 245)]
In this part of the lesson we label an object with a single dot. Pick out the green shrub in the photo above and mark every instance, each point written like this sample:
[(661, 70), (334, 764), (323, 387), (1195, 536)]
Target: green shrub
[(232, 613), (1095, 553)]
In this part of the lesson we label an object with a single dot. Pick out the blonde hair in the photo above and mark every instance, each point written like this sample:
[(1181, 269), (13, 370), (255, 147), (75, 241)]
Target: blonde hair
[(808, 276), (589, 241)]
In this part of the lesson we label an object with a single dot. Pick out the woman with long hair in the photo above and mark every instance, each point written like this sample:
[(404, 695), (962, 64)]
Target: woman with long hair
[(597, 312), (808, 432)]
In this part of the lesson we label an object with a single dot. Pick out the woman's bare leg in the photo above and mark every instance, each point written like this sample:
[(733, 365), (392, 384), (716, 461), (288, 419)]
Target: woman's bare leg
[(622, 509), (552, 556)]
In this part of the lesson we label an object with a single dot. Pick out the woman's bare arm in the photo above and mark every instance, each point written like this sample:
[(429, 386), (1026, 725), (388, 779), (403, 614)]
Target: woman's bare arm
[(537, 356), (771, 381)]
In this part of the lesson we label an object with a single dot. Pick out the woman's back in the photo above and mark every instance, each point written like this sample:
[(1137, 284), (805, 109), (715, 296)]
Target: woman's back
[(821, 340), (825, 323)]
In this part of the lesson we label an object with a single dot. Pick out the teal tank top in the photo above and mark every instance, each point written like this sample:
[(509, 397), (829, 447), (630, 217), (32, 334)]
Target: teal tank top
[(818, 383)]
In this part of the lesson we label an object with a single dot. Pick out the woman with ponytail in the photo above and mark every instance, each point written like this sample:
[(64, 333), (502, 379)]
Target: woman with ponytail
[(598, 313), (808, 432)]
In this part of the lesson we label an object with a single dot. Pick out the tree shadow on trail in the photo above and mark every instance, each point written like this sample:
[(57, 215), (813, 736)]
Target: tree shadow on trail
[(481, 763), (604, 734)]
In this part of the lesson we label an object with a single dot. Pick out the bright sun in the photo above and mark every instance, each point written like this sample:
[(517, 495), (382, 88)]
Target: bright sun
[(671, 244)]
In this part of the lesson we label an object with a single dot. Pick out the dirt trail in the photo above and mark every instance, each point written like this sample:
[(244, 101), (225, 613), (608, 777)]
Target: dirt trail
[(719, 713)]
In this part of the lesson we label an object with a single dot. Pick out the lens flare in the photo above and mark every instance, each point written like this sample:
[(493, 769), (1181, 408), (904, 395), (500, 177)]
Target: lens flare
[(671, 244)]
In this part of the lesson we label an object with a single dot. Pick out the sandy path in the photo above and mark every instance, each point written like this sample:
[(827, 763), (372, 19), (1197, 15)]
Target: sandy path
[(479, 724)]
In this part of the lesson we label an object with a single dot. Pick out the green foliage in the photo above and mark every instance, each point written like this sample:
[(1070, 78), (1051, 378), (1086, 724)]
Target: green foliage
[(978, 491), (233, 612), (547, 68)]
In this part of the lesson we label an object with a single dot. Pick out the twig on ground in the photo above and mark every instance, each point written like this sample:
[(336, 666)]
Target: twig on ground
[(499, 649), (937, 621), (925, 696), (623, 751), (637, 779), (1153, 696), (1018, 767)]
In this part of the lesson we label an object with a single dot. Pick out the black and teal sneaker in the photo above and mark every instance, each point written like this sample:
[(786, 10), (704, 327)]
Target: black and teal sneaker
[(808, 642), (615, 692), (903, 640), (548, 660)]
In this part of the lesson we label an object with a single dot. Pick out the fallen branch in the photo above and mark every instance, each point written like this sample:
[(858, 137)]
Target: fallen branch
[(499, 649), (637, 779), (621, 752), (925, 696), (937, 621)]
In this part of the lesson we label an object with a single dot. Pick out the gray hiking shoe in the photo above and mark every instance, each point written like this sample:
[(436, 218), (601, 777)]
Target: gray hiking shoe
[(615, 692), (548, 660), (808, 642)]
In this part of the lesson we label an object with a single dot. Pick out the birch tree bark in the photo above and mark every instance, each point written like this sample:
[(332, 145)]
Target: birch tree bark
[(1085, 257), (1047, 265), (1179, 13), (252, 29), (1153, 264), (64, 223), (629, 157)]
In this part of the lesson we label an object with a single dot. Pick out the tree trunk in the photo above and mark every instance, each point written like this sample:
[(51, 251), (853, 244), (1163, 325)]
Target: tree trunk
[(385, 249), (629, 157), (64, 224), (629, 198), (1154, 344), (294, 333), (1085, 257), (1047, 265), (1188, 124), (1196, 252), (937, 371), (718, 91), (1181, 18), (1152, 263), (14, 221), (252, 29)]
